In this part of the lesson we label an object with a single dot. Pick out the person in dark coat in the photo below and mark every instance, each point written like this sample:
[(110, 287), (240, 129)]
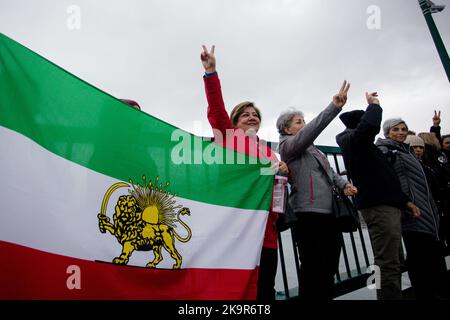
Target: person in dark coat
[(380, 198), (438, 159), (433, 178), (446, 145), (425, 261)]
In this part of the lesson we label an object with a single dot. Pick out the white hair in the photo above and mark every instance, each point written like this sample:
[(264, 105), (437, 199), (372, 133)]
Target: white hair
[(284, 121)]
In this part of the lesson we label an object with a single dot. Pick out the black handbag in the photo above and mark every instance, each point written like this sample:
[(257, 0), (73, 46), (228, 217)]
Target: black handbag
[(347, 217)]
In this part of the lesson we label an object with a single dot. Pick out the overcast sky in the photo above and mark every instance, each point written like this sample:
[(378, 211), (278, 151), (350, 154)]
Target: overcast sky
[(277, 53)]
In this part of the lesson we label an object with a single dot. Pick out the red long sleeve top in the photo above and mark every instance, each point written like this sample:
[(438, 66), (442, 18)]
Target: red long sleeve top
[(221, 124)]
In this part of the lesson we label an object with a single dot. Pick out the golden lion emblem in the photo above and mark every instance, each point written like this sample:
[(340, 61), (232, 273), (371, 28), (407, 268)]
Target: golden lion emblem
[(144, 221)]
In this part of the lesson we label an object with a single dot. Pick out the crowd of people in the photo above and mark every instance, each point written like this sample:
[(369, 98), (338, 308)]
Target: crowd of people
[(400, 184)]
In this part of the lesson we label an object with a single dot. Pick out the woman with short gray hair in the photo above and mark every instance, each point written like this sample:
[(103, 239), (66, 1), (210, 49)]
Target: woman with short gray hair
[(312, 180), (424, 258), (285, 119)]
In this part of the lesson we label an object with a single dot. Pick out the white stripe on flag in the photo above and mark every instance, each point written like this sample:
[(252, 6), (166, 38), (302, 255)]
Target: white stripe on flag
[(51, 204)]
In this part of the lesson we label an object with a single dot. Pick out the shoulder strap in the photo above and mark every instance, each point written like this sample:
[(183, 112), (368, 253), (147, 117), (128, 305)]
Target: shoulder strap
[(323, 167)]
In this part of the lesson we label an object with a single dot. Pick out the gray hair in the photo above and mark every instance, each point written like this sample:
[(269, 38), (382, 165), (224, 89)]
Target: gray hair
[(390, 123), (284, 121)]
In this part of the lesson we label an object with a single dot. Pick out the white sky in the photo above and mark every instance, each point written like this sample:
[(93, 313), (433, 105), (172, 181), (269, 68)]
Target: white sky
[(277, 53)]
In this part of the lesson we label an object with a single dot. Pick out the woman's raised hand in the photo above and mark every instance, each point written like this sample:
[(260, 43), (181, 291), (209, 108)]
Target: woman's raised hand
[(372, 98), (340, 99), (436, 118), (208, 59)]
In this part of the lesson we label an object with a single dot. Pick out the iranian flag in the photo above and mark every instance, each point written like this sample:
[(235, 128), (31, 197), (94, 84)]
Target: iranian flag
[(102, 201)]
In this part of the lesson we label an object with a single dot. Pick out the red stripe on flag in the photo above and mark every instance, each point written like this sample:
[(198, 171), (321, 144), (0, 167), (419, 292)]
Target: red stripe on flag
[(27, 273)]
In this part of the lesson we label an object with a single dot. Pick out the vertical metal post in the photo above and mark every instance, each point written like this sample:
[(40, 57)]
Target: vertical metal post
[(283, 266), (427, 7)]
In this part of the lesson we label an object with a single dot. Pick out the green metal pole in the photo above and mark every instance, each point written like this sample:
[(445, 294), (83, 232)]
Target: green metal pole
[(425, 6)]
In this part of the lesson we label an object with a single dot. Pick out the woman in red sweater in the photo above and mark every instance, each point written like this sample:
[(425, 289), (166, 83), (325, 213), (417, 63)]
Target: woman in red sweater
[(242, 125)]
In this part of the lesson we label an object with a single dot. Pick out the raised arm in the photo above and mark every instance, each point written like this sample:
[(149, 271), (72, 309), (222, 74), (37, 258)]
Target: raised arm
[(208, 59), (361, 131), (436, 128), (299, 142), (340, 98), (217, 114), (369, 125)]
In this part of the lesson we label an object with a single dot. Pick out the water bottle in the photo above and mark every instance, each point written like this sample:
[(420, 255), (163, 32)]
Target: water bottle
[(278, 196)]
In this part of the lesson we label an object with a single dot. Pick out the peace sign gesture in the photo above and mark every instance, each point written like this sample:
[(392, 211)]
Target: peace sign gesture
[(340, 99), (208, 59), (437, 118)]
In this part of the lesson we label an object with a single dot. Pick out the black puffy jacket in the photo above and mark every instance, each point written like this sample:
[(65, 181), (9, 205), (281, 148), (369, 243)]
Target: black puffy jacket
[(413, 182)]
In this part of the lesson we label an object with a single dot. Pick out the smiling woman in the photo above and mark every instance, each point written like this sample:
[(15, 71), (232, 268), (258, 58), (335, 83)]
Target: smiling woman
[(425, 260), (395, 129), (245, 116), (244, 123)]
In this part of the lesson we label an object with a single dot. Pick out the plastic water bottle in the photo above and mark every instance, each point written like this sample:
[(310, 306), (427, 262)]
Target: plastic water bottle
[(278, 196)]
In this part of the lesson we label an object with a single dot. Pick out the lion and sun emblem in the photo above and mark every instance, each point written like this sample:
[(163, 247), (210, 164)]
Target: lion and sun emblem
[(145, 220)]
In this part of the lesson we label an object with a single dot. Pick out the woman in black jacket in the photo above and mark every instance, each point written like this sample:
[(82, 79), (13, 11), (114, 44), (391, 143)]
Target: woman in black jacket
[(438, 159), (425, 261)]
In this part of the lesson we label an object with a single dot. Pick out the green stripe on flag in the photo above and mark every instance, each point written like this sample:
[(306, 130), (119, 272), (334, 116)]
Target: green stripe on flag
[(83, 124)]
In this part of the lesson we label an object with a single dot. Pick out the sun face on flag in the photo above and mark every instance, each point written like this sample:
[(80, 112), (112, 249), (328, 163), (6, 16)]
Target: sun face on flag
[(145, 220)]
